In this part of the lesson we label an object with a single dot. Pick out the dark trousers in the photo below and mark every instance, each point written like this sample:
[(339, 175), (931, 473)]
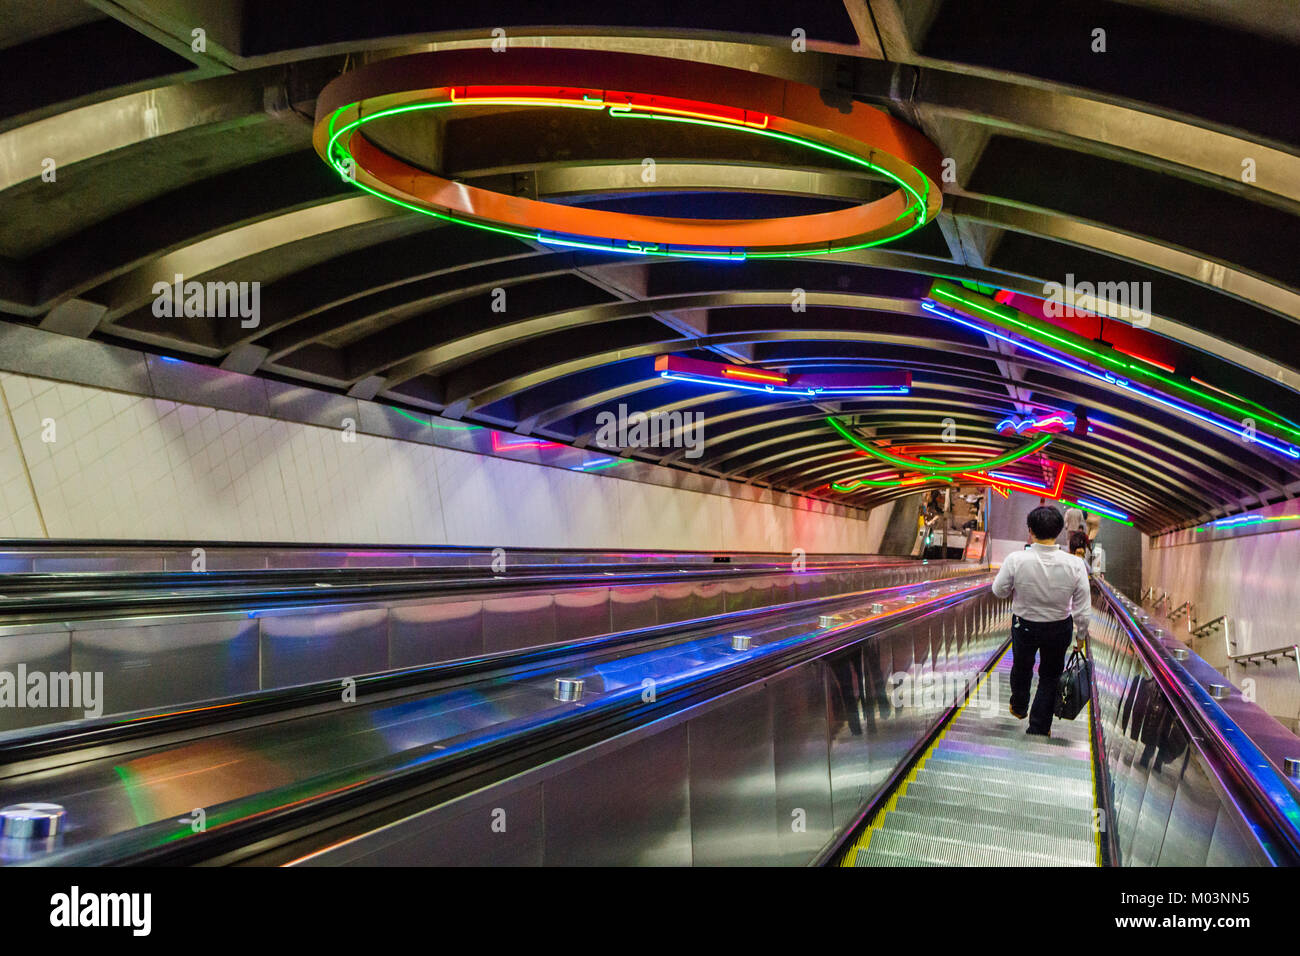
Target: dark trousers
[(1049, 640)]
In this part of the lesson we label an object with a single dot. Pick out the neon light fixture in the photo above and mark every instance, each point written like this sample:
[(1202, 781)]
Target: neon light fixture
[(914, 464), (887, 483), (954, 297), (622, 86), (718, 375), (1055, 423), (1107, 510), (1020, 484), (1237, 521)]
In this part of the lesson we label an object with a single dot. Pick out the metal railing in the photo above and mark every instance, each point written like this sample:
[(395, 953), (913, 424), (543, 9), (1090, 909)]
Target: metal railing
[(1209, 627), (1287, 652)]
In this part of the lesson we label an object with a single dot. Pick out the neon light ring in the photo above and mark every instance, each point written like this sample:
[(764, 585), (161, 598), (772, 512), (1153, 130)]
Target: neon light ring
[(624, 86)]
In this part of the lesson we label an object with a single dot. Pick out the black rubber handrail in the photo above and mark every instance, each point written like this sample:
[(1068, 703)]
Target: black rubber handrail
[(27, 598), (25, 745)]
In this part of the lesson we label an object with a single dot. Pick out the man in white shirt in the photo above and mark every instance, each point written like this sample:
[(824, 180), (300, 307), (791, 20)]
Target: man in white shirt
[(1098, 559), (1048, 587)]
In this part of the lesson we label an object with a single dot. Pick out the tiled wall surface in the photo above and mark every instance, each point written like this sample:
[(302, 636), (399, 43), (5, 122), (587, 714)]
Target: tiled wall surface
[(135, 467), (1253, 580)]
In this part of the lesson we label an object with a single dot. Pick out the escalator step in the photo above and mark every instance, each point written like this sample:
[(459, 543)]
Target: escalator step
[(942, 851), (1056, 793), (1043, 809), (1029, 772), (1002, 759), (1071, 825)]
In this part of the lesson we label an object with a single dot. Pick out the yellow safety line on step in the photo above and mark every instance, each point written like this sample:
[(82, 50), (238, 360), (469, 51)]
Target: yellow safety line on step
[(1092, 770), (864, 838)]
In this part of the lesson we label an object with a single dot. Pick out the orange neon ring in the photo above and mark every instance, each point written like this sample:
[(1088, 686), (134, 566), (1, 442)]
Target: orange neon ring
[(631, 85)]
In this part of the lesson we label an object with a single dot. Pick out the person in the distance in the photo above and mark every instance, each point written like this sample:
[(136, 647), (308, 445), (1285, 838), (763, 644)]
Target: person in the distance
[(1048, 587)]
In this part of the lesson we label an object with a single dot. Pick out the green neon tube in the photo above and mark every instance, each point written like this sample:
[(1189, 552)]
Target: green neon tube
[(870, 449), (1009, 316), (334, 146)]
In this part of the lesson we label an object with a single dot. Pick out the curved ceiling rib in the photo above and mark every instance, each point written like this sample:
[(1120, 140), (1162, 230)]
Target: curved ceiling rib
[(201, 165)]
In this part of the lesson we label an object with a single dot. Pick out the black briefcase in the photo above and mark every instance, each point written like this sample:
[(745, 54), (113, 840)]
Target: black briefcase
[(1076, 687)]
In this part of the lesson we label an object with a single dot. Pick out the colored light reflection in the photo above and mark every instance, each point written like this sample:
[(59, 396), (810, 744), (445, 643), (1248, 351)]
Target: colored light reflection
[(501, 444)]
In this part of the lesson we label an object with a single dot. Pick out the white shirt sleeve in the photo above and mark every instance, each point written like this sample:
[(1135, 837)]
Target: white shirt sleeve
[(1006, 578), (1081, 603)]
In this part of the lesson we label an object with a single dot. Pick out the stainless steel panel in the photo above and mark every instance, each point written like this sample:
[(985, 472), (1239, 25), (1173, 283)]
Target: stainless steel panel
[(1191, 819), (630, 807), (893, 682), (45, 652), (1230, 845), (733, 783), (847, 710), (300, 648), (676, 602), (709, 599), (741, 595), (437, 631), (582, 612), (206, 385), (498, 829), (1163, 752), (804, 821), (299, 404), (158, 666), (1153, 817), (510, 623), (633, 607)]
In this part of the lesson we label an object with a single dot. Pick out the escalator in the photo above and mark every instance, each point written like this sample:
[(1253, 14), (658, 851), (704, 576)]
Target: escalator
[(864, 730), (984, 794)]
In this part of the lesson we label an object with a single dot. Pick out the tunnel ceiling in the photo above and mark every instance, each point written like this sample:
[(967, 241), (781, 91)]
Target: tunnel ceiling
[(1169, 159)]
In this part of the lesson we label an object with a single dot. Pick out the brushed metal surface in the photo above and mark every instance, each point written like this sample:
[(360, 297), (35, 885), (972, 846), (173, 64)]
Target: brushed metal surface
[(427, 633), (733, 783), (500, 829), (514, 622), (582, 612), (847, 708), (676, 601), (804, 822), (146, 667), (624, 808), (297, 649), (633, 607), (49, 651)]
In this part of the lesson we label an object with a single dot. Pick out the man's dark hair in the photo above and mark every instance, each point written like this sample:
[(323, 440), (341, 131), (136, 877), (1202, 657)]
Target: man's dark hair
[(1045, 522)]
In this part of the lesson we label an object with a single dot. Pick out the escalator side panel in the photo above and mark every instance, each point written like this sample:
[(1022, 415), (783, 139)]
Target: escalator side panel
[(1191, 819), (804, 822), (848, 713), (629, 806), (302, 648), (211, 659), (733, 783), (434, 632)]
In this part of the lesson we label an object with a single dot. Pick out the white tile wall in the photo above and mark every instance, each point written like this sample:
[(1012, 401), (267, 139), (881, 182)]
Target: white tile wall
[(125, 466)]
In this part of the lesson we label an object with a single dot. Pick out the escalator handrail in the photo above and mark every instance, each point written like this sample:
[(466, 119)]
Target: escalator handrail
[(200, 591), (157, 843), (1266, 803), (21, 746)]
